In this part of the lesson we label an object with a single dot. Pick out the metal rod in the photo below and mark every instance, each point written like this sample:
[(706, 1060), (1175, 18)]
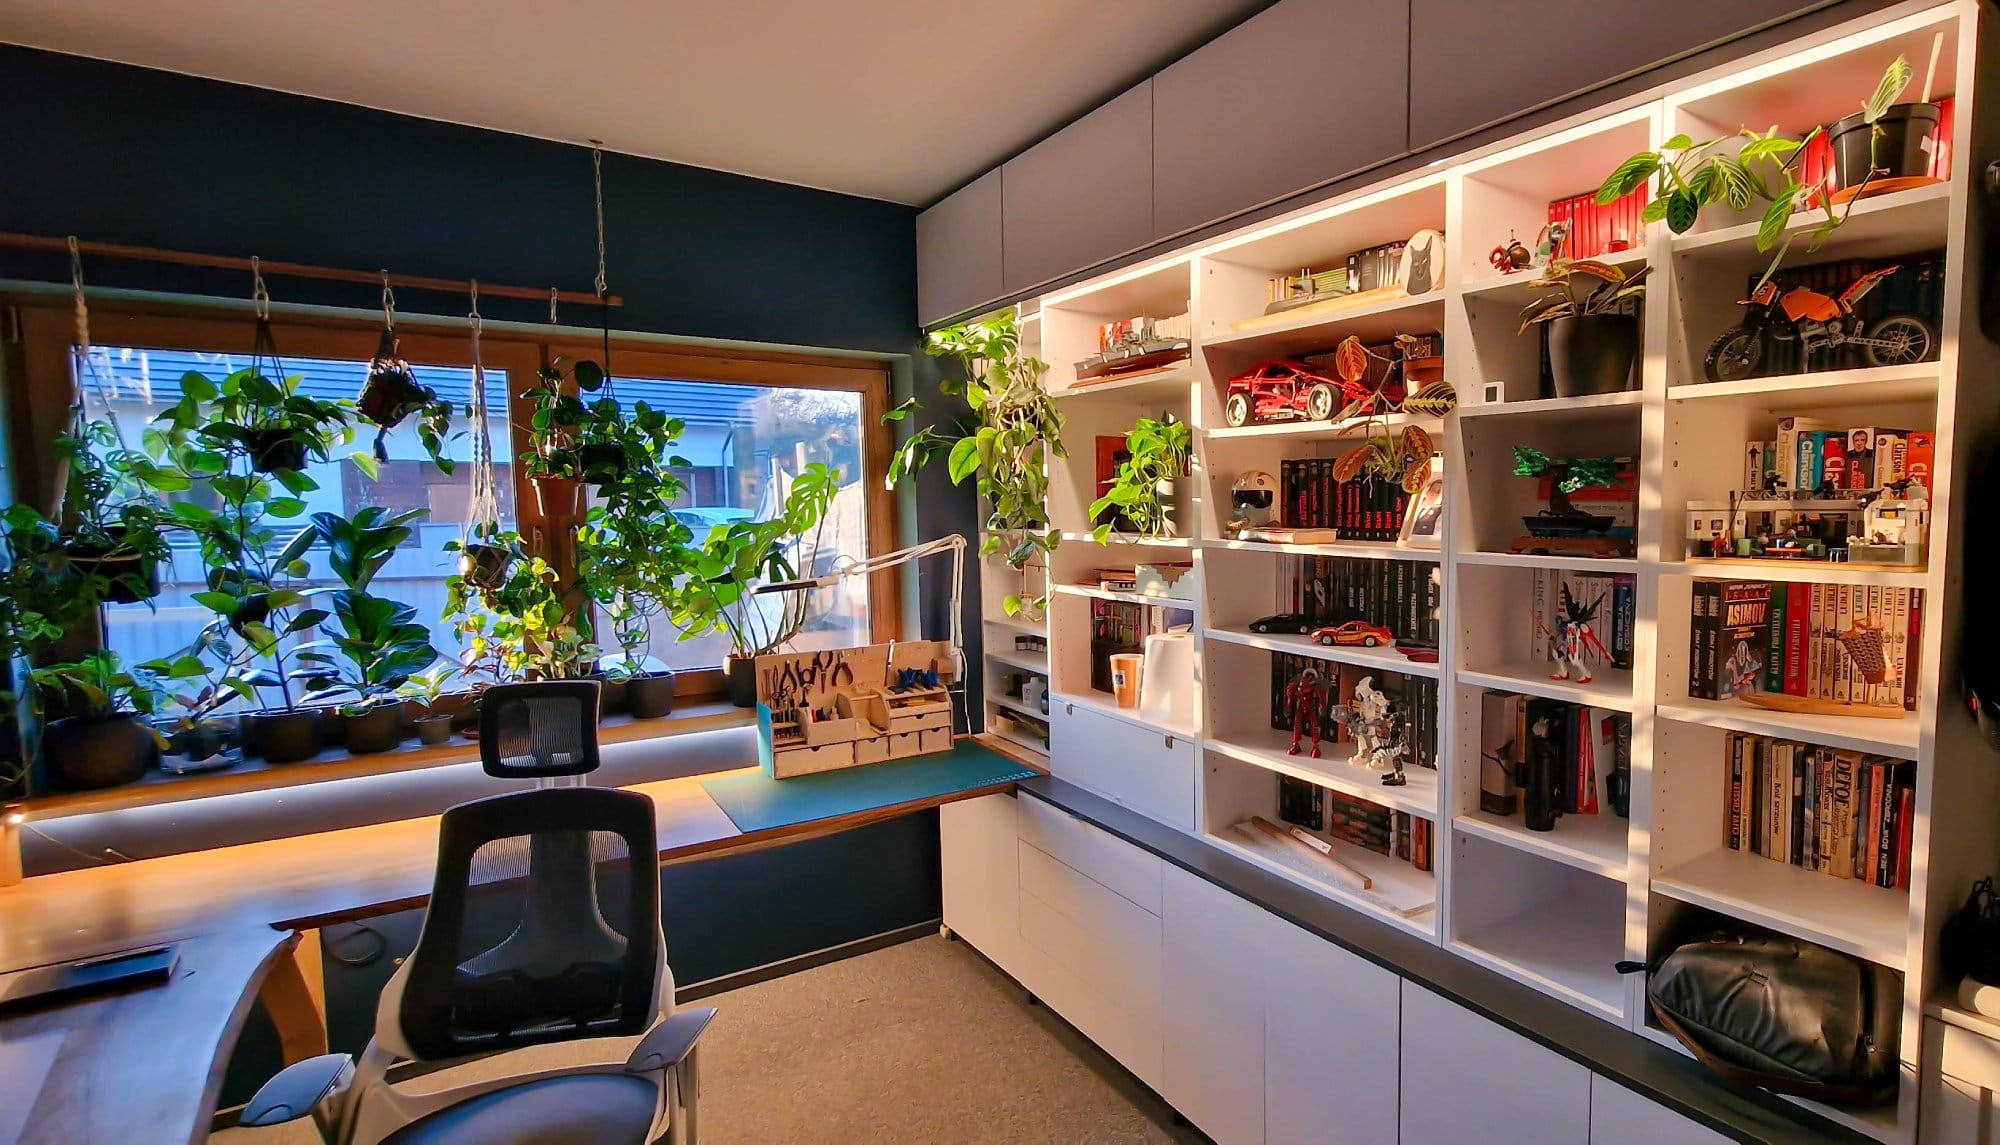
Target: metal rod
[(297, 269)]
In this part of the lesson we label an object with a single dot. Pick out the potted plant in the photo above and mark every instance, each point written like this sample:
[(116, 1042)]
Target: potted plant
[(1141, 492), (104, 740), (269, 423), (427, 688), (1885, 141), (1016, 427), (116, 532), (201, 680), (1592, 340), (379, 642), (631, 548), (523, 630), (719, 593), (554, 461)]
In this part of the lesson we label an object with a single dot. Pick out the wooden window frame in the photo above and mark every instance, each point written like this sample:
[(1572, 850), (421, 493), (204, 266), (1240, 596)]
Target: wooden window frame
[(39, 401)]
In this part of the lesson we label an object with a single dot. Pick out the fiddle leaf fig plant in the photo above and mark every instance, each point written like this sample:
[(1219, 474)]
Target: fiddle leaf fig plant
[(380, 640), (1160, 453), (718, 594), (1016, 426)]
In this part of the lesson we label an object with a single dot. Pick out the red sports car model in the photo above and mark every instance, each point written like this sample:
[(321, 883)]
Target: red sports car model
[(1285, 389), (1355, 632)]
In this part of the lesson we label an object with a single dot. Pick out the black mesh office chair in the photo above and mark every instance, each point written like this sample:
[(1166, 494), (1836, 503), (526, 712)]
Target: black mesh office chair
[(543, 926)]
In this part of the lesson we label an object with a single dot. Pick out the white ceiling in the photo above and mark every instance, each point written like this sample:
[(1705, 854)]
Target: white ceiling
[(895, 99)]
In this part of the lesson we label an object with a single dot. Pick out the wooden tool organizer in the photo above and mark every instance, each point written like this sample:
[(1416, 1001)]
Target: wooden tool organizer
[(820, 711)]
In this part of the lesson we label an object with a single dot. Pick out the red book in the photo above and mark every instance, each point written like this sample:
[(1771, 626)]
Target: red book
[(1906, 800), (1941, 141), (1913, 650), (1833, 460), (1922, 457), (1798, 633)]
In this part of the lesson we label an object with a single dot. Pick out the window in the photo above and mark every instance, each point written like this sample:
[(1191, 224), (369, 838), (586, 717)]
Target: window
[(139, 382), (743, 445)]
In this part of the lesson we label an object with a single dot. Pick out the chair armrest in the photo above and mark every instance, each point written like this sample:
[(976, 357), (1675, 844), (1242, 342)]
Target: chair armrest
[(297, 1089), (670, 1042)]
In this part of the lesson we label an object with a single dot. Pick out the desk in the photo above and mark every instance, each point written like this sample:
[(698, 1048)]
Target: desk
[(143, 1065)]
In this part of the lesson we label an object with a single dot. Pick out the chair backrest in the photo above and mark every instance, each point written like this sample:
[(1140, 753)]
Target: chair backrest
[(539, 730), (543, 926)]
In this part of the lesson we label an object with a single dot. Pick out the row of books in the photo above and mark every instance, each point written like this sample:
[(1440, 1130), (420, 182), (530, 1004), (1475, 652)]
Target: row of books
[(1367, 508), (1596, 228), (1541, 758), (1356, 822), (1917, 288), (1840, 813), (1847, 643), (1414, 698), (1610, 601), (1808, 453), (1401, 596)]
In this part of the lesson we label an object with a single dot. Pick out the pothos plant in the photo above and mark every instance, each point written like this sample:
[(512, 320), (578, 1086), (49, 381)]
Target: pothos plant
[(1158, 453), (718, 596), (1016, 427), (631, 548), (522, 628), (1404, 456), (1693, 175), (559, 414)]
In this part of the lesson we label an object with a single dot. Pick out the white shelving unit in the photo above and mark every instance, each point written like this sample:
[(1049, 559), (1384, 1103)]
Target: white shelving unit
[(1554, 910)]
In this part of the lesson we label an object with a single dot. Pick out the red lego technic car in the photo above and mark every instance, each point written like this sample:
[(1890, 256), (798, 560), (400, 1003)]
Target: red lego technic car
[(1355, 632), (1285, 389)]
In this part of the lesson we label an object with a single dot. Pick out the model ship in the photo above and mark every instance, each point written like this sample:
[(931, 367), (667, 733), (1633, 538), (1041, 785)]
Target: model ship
[(1134, 344), (1291, 291)]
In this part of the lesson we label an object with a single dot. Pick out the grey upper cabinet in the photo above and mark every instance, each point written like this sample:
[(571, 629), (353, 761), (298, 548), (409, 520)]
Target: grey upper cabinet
[(1474, 64), (1082, 195), (1303, 92), (958, 251)]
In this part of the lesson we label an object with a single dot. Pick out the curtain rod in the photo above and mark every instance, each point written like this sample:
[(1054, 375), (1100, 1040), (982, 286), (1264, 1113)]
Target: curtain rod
[(298, 270)]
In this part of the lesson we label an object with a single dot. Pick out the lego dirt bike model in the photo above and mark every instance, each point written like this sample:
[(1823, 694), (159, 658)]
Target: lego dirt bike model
[(1817, 321)]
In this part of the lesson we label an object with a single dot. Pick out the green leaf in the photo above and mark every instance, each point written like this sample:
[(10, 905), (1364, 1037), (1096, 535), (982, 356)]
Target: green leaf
[(221, 603), (1654, 212), (1776, 217), (1737, 185), (1680, 142), (1628, 176), (284, 508), (589, 376), (1894, 80), (366, 463), (1773, 147), (1012, 604), (1682, 210), (964, 460)]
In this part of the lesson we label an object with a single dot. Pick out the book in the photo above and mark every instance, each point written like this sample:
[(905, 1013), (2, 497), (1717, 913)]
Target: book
[(1905, 810), (1786, 463), (1797, 637), (1846, 807), (1704, 635), (1744, 636), (1822, 810), (1774, 664), (1920, 450), (1734, 743)]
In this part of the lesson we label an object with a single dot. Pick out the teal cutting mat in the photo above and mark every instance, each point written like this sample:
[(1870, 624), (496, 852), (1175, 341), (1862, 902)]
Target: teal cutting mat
[(758, 803)]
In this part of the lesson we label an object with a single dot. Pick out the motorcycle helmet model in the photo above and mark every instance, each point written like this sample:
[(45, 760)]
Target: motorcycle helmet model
[(1253, 501)]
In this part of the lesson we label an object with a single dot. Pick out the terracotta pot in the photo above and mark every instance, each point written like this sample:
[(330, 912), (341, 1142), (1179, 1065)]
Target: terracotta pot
[(93, 751), (652, 695), (559, 496)]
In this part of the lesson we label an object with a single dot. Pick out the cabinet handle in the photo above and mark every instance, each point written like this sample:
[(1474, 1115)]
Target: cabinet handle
[(1170, 740), (1069, 709)]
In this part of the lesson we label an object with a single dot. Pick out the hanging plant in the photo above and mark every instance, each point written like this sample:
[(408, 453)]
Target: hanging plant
[(391, 393), (1005, 446), (1158, 453)]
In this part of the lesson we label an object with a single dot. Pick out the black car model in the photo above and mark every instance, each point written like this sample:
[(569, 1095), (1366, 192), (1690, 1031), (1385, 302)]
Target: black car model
[(1290, 622)]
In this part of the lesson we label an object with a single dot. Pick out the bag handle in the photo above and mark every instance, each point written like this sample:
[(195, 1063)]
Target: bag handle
[(1814, 1090)]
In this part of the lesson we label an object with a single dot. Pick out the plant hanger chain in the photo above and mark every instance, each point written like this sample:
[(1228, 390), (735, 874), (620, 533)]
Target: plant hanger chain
[(484, 509), (389, 301), (602, 282), (80, 395)]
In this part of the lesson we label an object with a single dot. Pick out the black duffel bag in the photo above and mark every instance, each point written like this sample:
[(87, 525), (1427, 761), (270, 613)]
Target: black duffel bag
[(1788, 1016)]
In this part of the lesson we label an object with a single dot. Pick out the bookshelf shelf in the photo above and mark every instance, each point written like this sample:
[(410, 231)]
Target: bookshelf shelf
[(1515, 290), (1884, 225), (1353, 428), (1554, 408), (1130, 540), (1403, 895), (1608, 687), (1167, 382), (1265, 748), (1856, 733), (1364, 550), (1535, 561), (1827, 389), (1018, 739), (1017, 624), (1381, 659), (1016, 658), (1560, 953), (1810, 572), (1315, 332), (1593, 843), (1865, 921), (1124, 597)]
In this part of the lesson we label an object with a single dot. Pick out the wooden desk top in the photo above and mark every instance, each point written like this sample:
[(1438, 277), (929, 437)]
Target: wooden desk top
[(150, 1059), (307, 881)]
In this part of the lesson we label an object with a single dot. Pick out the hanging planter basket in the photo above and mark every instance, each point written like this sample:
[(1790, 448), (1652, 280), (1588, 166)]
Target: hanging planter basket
[(559, 496), (486, 567), (391, 394), (603, 462), (275, 449), (132, 578)]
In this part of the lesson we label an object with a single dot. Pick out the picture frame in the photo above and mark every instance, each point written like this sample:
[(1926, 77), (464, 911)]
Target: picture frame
[(1423, 523)]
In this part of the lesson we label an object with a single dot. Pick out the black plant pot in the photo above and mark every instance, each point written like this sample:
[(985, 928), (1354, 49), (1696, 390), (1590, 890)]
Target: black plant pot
[(389, 396), (652, 696), (610, 695), (1593, 353), (132, 578), (1901, 151), (485, 567), (602, 462), (275, 449), (742, 672), (99, 751), (284, 735), (199, 743), (434, 730), (377, 729)]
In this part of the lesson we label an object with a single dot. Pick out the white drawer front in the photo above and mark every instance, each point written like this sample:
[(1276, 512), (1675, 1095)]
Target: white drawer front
[(1094, 957), (1132, 873), (1968, 1057), (1131, 765)]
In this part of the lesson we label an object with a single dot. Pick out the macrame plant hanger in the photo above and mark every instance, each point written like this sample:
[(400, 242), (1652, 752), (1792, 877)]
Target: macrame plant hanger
[(391, 391), (482, 518), (84, 369)]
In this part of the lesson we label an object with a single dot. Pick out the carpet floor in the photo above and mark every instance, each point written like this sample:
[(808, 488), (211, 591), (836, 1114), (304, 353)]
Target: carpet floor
[(920, 1042)]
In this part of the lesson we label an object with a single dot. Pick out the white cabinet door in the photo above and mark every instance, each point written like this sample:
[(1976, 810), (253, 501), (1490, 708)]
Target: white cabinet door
[(979, 864), (1148, 771), (1961, 1087), (1332, 1025), (1473, 1080), (1619, 1116), (1212, 1007)]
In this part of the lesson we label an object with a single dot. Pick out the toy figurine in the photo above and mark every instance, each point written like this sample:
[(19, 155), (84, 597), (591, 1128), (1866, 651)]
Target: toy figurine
[(1371, 719), (1574, 642), (1253, 501), (1817, 322), (1306, 697), (1511, 256), (1549, 245)]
